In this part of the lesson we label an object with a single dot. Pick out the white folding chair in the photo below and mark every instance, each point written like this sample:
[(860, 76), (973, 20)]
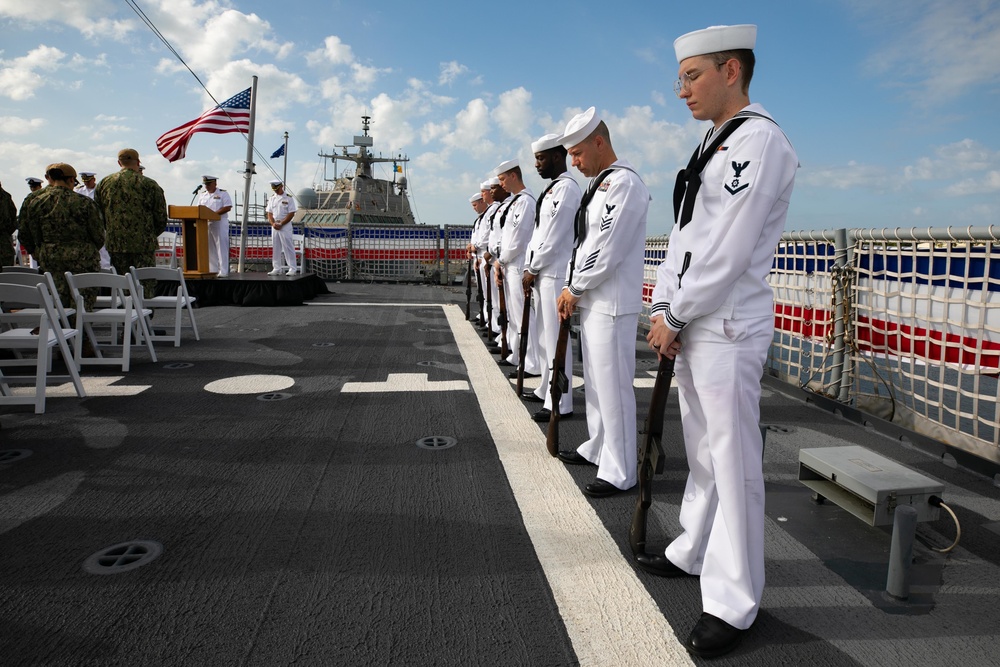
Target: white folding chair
[(125, 312), (179, 303), (17, 268), (168, 247), (40, 335), (32, 278)]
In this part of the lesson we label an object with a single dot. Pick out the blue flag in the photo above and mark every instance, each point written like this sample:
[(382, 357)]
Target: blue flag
[(279, 152)]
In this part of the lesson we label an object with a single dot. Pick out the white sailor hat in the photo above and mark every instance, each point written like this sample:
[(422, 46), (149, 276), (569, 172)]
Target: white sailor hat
[(85, 175), (579, 127), (206, 178), (714, 39), (485, 185), (546, 142), (493, 181), (275, 183), (506, 166), (476, 197), (31, 180)]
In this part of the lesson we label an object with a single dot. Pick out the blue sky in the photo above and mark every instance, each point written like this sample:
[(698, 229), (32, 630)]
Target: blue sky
[(891, 106)]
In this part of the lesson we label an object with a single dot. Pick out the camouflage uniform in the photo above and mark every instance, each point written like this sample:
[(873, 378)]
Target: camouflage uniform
[(8, 225), (63, 231), (135, 213)]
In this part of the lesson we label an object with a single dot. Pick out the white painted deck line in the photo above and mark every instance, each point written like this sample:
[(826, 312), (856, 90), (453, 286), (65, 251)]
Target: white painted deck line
[(397, 382), (610, 618)]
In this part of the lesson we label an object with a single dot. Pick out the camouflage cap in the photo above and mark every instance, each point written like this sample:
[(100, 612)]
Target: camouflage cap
[(128, 154), (68, 172)]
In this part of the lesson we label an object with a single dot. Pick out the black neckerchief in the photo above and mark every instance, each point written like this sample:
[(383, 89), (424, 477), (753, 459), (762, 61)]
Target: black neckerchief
[(689, 180)]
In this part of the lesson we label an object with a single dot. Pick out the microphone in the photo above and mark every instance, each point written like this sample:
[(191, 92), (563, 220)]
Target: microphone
[(197, 189)]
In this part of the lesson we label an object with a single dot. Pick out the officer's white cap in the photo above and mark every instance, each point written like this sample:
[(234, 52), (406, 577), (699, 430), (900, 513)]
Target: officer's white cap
[(546, 142), (31, 180), (275, 183), (87, 174), (579, 127), (506, 166), (485, 185), (206, 178), (714, 39), (476, 197)]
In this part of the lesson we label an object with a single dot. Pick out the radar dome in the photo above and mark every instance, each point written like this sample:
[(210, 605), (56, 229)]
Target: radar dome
[(306, 198)]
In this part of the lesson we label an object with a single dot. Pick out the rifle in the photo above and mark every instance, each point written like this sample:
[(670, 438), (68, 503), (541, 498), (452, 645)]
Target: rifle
[(651, 457), (502, 316), (468, 291), (487, 270), (558, 387), (479, 293), (522, 351)]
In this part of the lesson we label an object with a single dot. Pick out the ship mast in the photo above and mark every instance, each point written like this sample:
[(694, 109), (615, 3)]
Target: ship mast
[(363, 161)]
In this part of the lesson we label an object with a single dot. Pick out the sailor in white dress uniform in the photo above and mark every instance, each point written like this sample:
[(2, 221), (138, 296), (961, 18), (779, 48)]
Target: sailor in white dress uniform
[(549, 252), (606, 286), (519, 222), (280, 211), (219, 201), (713, 309)]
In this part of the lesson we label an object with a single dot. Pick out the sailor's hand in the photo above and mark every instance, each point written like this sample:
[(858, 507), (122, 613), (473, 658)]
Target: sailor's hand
[(527, 280), (662, 339), (566, 304)]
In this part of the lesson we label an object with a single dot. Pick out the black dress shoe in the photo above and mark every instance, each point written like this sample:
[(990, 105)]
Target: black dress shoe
[(712, 637), (543, 415), (601, 489), (530, 396), (572, 457), (495, 349), (504, 362), (659, 565)]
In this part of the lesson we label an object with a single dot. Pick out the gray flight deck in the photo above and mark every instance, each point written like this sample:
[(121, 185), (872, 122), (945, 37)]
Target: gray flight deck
[(313, 510)]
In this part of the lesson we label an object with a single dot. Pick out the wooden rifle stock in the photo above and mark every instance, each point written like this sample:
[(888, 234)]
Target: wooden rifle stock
[(468, 291), (651, 457), (522, 351), (502, 315), (560, 385)]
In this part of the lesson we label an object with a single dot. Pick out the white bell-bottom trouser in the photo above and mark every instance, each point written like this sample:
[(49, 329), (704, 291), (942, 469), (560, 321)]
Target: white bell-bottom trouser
[(282, 243), (547, 291), (717, 375), (218, 247), (515, 308), (608, 345)]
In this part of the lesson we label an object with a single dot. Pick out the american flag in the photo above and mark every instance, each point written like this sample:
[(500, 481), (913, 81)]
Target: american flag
[(233, 115)]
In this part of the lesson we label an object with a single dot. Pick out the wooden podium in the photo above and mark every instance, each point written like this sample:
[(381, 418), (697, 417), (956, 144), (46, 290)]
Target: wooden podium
[(194, 223)]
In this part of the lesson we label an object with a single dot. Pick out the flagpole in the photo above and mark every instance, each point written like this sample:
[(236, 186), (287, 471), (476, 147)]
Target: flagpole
[(284, 173), (248, 175)]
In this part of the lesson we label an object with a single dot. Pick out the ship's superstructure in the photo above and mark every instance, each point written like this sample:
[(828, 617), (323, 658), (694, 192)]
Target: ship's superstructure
[(356, 195)]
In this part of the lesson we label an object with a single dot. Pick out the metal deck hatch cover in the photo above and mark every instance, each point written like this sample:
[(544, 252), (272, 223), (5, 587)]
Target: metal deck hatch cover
[(177, 365), (437, 442), (123, 557), (274, 396)]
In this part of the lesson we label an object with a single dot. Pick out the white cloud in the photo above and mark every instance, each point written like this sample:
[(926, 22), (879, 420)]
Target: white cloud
[(937, 50), (78, 15), (987, 183), (334, 52), (513, 114), (15, 125), (20, 78), (851, 175), (450, 71)]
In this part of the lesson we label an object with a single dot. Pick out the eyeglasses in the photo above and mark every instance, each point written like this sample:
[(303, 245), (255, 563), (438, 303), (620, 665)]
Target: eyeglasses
[(683, 84)]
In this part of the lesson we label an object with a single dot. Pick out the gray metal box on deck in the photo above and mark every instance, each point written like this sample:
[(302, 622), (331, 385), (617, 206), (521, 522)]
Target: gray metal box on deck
[(866, 484)]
